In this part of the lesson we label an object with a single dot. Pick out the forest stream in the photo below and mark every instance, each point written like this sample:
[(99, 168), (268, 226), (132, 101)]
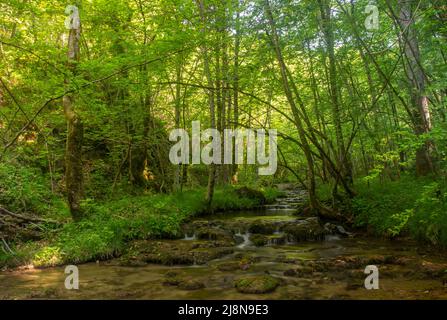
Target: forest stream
[(263, 254)]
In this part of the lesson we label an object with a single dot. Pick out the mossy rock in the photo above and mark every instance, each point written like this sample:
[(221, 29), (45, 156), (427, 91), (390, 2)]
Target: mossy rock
[(290, 273), (175, 252), (305, 230), (249, 193), (276, 239), (262, 227), (191, 285), (172, 281), (256, 284), (172, 278), (202, 256), (259, 240), (213, 233), (242, 264)]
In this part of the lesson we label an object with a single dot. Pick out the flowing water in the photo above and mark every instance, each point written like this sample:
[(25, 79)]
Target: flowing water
[(330, 268)]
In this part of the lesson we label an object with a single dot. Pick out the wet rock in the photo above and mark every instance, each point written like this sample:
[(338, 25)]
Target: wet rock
[(378, 259), (403, 261), (390, 271), (239, 255), (47, 293), (285, 259), (354, 262), (304, 271), (353, 286), (304, 230), (238, 239), (256, 284), (276, 239), (262, 240), (357, 273), (213, 233), (191, 285), (262, 227), (175, 252), (432, 269), (173, 278), (259, 240), (336, 229), (171, 281), (290, 273), (234, 265), (319, 265)]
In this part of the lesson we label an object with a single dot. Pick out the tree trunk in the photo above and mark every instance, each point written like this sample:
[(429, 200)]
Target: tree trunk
[(416, 82), (236, 85), (177, 116), (75, 131), (207, 70), (297, 119), (342, 156)]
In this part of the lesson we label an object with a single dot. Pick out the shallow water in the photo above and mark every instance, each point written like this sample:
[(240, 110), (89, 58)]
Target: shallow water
[(406, 271), (105, 280)]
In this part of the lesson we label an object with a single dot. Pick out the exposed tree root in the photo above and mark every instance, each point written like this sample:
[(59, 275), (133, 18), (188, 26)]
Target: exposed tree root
[(332, 214)]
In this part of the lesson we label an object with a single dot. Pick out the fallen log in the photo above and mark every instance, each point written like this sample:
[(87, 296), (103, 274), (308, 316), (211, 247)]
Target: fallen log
[(15, 226), (4, 211)]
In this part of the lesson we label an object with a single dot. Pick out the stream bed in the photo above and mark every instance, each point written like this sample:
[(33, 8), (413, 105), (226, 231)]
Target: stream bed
[(263, 254)]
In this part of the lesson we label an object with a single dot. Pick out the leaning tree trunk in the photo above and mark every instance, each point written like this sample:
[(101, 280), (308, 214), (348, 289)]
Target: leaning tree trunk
[(416, 81), (73, 151), (298, 122)]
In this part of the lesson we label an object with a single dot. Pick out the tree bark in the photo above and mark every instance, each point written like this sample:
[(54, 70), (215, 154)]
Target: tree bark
[(416, 82), (342, 156), (207, 70), (297, 119), (75, 131)]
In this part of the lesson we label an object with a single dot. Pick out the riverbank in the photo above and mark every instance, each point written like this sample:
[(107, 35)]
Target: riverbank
[(109, 226), (271, 253), (410, 206)]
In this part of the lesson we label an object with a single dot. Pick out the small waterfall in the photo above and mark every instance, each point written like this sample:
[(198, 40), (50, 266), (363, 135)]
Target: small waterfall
[(278, 239), (246, 237), (332, 237), (190, 238)]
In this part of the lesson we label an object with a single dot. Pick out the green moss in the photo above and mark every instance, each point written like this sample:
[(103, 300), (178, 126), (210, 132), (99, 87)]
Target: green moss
[(261, 227), (256, 284)]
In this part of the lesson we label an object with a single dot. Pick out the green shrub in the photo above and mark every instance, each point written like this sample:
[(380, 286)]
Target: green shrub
[(414, 206), (26, 189)]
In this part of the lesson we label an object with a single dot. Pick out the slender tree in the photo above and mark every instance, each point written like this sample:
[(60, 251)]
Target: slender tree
[(75, 130)]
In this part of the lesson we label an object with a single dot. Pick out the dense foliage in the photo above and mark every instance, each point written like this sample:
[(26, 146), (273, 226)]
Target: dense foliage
[(86, 112)]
